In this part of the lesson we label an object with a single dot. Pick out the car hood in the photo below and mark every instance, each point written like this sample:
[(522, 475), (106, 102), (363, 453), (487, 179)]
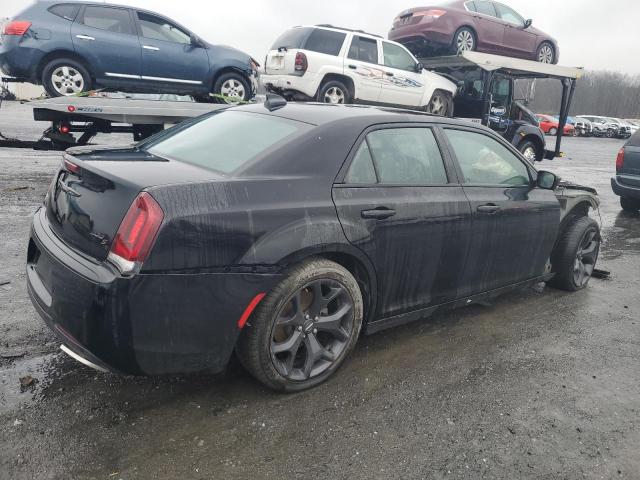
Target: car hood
[(230, 52)]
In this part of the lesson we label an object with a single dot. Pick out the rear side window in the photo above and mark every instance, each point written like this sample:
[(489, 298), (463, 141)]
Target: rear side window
[(483, 160), (157, 28), (116, 20), (224, 141), (408, 156), (67, 11), (482, 6), (325, 41), (471, 6), (364, 49), (292, 38)]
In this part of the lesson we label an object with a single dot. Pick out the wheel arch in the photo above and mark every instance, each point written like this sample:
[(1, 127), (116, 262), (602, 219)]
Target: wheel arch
[(228, 69), (348, 81), (63, 53), (354, 261)]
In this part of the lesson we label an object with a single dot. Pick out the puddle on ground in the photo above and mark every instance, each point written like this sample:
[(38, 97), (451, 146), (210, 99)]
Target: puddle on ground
[(623, 237)]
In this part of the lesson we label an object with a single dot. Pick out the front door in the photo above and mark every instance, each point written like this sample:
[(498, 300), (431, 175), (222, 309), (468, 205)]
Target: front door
[(402, 207), (168, 56), (514, 223), (402, 84), (106, 38), (362, 64), (518, 40)]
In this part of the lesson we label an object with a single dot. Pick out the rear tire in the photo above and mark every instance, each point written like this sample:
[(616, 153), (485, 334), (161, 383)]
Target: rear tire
[(464, 39), (334, 92), (64, 77), (575, 255), (441, 104), (630, 204), (294, 320)]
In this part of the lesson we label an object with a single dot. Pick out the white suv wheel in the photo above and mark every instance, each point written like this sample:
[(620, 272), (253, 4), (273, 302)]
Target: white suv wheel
[(334, 95)]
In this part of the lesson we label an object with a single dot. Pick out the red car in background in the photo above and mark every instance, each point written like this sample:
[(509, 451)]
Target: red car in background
[(549, 125), (482, 25)]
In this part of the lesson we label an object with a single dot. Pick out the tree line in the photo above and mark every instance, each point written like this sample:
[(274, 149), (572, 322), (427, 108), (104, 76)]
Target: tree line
[(609, 94)]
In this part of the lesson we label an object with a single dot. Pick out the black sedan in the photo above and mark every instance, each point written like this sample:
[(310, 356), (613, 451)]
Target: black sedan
[(282, 231)]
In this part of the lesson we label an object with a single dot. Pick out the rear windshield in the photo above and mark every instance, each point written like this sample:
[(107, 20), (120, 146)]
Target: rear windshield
[(224, 141), (634, 141), (292, 38)]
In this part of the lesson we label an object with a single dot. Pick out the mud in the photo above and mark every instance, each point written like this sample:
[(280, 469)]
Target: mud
[(541, 384)]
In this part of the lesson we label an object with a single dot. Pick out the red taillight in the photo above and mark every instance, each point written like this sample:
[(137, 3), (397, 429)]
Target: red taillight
[(71, 108), (430, 13), (64, 129), (301, 62), (249, 310), (620, 160), (137, 232), (17, 27), (70, 166)]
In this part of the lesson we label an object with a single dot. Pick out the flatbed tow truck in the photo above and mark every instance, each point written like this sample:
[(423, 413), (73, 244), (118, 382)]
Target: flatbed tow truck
[(486, 94)]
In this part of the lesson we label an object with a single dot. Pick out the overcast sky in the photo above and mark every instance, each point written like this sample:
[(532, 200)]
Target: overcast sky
[(595, 34)]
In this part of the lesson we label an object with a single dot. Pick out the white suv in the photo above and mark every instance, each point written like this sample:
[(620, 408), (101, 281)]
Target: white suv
[(336, 65)]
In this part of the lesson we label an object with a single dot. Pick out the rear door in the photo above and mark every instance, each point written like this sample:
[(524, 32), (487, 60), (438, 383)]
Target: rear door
[(402, 206), (168, 56), (490, 27), (402, 84), (363, 66), (106, 37), (514, 223), (518, 40)]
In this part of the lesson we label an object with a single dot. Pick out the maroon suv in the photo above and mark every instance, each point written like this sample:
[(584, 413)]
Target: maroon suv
[(481, 25)]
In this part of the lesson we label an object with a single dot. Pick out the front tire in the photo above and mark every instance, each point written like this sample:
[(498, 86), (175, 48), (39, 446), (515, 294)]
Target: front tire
[(575, 255), (441, 104), (546, 53), (553, 131), (231, 88), (64, 77), (304, 328), (630, 204), (334, 92)]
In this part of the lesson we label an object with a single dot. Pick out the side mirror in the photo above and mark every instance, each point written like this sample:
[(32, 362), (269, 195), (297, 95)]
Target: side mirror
[(419, 67), (195, 41), (547, 180), (527, 23)]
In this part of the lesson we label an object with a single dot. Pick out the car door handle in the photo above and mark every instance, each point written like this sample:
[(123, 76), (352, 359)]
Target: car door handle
[(353, 67), (389, 74), (149, 47), (379, 213), (85, 37), (489, 208)]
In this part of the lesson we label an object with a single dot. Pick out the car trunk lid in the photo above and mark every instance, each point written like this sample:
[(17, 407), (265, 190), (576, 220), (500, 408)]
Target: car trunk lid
[(92, 191)]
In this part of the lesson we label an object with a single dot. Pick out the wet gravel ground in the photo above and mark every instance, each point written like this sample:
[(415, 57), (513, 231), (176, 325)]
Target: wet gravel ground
[(542, 384)]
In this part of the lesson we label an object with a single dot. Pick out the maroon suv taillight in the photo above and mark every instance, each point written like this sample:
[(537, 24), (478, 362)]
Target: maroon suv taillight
[(301, 63), (136, 234), (16, 27), (620, 160)]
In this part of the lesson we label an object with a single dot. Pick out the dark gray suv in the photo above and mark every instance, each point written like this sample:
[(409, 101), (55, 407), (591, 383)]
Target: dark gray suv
[(74, 47), (626, 183)]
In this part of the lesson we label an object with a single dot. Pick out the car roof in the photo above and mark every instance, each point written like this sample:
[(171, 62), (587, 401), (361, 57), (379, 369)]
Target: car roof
[(322, 113), (326, 26)]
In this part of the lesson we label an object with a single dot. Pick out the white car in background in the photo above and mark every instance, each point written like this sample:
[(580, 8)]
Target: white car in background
[(336, 65)]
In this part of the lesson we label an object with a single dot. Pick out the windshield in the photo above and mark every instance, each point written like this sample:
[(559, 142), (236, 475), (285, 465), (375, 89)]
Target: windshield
[(224, 141)]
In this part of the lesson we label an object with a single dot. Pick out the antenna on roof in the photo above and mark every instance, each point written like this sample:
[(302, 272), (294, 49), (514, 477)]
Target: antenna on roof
[(274, 102)]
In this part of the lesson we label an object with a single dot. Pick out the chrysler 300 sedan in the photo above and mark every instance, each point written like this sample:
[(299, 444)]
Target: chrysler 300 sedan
[(282, 231)]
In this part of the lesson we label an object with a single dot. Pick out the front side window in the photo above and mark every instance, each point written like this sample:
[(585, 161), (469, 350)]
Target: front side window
[(485, 7), (483, 160), (116, 20), (221, 141), (364, 49), (325, 41), (509, 15), (397, 57), (157, 28), (407, 156)]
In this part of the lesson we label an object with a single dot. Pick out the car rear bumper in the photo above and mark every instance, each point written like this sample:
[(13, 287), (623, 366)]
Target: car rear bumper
[(626, 186), (429, 32), (290, 84), (144, 324), (19, 61)]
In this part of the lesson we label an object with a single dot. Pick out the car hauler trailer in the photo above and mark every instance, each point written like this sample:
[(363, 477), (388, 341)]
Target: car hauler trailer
[(88, 116), (486, 88)]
